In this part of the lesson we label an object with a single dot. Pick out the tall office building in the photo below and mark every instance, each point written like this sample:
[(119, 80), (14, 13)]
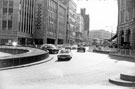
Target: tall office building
[(16, 21), (86, 25), (79, 28), (50, 22), (32, 21), (71, 19)]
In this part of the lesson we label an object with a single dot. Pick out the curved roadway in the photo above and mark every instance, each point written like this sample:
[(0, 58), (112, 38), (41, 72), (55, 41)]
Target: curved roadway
[(85, 71)]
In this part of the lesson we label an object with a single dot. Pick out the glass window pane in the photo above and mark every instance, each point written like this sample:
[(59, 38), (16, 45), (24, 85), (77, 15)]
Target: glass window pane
[(4, 10), (4, 24), (10, 10), (9, 24)]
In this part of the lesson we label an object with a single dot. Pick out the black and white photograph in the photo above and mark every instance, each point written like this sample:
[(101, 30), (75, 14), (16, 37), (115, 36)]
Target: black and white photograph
[(67, 44)]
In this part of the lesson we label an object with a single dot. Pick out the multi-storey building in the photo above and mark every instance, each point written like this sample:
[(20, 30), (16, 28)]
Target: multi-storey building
[(16, 21), (71, 26), (50, 25), (86, 25), (79, 28), (32, 21), (100, 34), (126, 24)]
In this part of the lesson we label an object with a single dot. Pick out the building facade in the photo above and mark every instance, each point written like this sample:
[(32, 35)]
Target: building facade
[(16, 21), (79, 28), (31, 22), (126, 24), (86, 25), (50, 25), (100, 34), (71, 19)]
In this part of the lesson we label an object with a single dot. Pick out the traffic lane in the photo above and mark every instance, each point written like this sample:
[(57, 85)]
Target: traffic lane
[(76, 72)]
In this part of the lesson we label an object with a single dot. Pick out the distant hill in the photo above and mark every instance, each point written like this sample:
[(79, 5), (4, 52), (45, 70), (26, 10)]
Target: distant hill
[(100, 34)]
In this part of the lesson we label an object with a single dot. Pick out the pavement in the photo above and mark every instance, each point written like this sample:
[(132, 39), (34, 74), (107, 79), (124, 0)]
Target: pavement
[(111, 53)]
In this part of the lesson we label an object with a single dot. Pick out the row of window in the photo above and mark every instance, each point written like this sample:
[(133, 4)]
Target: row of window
[(6, 24), (7, 10), (52, 28), (52, 6), (8, 3), (26, 16), (126, 15), (7, 14)]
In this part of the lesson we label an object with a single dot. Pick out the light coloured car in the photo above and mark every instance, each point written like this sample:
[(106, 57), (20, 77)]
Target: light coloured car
[(64, 55)]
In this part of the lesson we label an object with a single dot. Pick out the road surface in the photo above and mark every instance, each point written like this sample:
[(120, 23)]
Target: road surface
[(85, 71)]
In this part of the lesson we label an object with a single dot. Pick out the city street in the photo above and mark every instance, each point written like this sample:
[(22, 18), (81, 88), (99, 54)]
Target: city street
[(85, 71)]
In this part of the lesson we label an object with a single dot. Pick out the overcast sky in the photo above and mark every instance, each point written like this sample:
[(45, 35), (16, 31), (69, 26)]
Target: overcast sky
[(103, 13)]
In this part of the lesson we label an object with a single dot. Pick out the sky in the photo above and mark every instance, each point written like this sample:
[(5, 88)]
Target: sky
[(103, 13)]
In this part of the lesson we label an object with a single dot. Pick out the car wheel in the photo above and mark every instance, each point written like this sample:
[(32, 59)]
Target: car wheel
[(59, 59)]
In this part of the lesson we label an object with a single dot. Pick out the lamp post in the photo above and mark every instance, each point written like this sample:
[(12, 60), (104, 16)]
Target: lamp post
[(111, 31)]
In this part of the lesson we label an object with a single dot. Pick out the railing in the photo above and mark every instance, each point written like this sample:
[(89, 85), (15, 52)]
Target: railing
[(126, 52)]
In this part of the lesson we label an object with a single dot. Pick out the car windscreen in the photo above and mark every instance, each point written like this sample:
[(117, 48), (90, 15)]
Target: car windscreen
[(49, 46)]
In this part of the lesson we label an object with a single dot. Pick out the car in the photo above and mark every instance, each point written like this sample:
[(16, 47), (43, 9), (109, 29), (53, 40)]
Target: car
[(68, 47), (50, 47), (59, 47), (64, 55), (81, 49), (74, 47)]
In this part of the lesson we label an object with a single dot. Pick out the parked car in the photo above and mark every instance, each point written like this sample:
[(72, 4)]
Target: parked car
[(74, 47), (64, 55), (50, 47), (59, 47), (68, 47), (81, 49)]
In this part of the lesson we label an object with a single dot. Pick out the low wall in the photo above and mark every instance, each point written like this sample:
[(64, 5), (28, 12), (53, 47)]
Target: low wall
[(104, 52), (13, 50), (21, 55)]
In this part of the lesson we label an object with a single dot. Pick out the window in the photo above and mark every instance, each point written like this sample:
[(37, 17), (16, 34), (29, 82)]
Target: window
[(10, 4), (9, 24), (4, 10), (5, 3), (10, 10), (4, 24)]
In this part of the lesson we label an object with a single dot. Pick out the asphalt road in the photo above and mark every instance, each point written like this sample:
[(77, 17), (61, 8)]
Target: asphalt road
[(85, 71)]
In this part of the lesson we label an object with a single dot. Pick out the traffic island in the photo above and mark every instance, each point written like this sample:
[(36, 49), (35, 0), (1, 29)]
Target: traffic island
[(124, 80), (21, 56)]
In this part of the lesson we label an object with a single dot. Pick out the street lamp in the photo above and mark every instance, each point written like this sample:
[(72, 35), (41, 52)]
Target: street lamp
[(14, 43), (111, 29)]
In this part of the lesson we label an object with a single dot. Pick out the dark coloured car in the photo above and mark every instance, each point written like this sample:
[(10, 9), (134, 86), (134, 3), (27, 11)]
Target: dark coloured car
[(50, 47), (81, 49), (64, 55)]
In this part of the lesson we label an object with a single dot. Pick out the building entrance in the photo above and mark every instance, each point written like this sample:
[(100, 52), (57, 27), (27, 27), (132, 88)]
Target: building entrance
[(50, 41)]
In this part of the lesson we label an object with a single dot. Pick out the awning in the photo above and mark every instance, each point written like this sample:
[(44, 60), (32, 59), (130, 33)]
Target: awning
[(113, 37)]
